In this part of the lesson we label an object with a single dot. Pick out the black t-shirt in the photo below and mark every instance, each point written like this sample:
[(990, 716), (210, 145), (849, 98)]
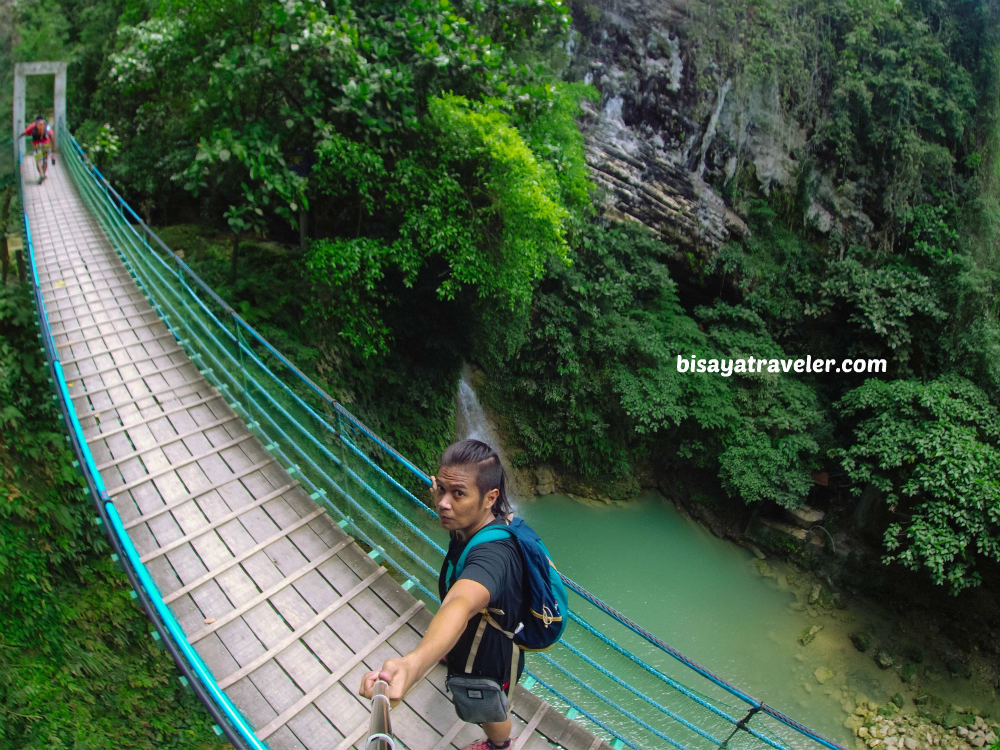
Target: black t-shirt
[(497, 565)]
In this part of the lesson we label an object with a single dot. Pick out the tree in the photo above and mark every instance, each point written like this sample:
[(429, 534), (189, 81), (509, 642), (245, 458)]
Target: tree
[(933, 451)]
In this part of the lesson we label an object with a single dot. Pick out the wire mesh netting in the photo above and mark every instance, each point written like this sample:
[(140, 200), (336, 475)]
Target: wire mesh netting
[(624, 683)]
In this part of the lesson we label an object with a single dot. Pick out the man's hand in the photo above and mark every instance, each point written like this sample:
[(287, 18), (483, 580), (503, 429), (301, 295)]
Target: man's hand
[(398, 673), (465, 599)]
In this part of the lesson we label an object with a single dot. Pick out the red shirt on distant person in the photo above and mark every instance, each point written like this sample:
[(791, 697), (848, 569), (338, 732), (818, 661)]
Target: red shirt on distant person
[(40, 132)]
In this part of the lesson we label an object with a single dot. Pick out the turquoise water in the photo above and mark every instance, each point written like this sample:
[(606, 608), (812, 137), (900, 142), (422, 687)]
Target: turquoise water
[(701, 595)]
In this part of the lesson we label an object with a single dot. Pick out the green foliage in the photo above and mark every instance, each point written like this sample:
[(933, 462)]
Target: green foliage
[(933, 450), (352, 271), (546, 113), (885, 302), (491, 240), (597, 361), (285, 108), (884, 92), (770, 440), (519, 193), (102, 146), (900, 103), (774, 270), (271, 187), (597, 386), (77, 666), (44, 31)]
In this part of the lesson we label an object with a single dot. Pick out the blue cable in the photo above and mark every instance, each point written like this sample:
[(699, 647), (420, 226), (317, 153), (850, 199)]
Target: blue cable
[(201, 331)]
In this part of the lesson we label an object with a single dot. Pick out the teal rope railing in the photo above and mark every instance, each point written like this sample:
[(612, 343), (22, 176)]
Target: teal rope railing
[(229, 718), (611, 676)]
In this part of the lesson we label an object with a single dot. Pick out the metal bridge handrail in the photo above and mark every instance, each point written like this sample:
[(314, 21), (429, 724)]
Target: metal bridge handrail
[(229, 719), (228, 363)]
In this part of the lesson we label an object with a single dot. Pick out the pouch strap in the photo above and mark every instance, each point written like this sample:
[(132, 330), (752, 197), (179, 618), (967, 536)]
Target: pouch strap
[(477, 639), (515, 651)]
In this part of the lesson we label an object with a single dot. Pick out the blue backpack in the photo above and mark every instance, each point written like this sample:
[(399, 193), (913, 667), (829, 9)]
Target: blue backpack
[(544, 609)]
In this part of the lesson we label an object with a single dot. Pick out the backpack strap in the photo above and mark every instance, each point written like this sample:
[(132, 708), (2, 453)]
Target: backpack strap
[(489, 533)]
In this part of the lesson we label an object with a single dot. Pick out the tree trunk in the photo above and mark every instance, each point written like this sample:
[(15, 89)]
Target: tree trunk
[(233, 268)]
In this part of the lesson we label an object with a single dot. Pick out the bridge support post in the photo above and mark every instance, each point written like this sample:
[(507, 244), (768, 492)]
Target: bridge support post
[(21, 72)]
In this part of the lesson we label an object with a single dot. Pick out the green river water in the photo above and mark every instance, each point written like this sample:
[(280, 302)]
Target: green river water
[(715, 602)]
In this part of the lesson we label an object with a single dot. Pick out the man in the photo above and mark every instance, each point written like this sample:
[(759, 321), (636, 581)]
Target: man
[(42, 143), (470, 492)]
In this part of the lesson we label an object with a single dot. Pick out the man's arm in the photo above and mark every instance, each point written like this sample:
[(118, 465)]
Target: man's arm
[(464, 600)]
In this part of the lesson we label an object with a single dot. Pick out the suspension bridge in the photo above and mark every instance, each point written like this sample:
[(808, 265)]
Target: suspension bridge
[(279, 546)]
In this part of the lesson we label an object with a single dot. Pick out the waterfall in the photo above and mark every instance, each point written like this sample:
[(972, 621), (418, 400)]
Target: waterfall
[(471, 421), (712, 124)]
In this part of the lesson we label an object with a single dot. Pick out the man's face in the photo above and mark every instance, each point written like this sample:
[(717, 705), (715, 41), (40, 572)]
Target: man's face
[(458, 502)]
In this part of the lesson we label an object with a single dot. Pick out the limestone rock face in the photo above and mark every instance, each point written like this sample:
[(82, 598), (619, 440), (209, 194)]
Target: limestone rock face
[(658, 140), (643, 139)]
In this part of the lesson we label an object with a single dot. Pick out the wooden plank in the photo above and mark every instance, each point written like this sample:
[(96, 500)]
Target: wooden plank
[(286, 739), (283, 718), (131, 381), (193, 496), (78, 300), (241, 557), (344, 707), (132, 401), (232, 515), (122, 458), (130, 330), (313, 728), (530, 727), (107, 321), (359, 732), (173, 467), (296, 635), (149, 401), (218, 622), (163, 414), (450, 735), (113, 364), (555, 726), (109, 350), (175, 438), (85, 273), (127, 380), (125, 427)]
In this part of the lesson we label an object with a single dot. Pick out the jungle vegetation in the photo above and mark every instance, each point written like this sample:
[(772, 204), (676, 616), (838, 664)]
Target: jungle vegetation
[(389, 189), (78, 665)]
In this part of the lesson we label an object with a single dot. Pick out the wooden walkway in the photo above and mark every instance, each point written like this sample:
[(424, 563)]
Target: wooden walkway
[(284, 608)]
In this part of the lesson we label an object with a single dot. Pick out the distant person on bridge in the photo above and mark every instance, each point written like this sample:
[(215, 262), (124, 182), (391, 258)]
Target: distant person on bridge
[(470, 493), (42, 143)]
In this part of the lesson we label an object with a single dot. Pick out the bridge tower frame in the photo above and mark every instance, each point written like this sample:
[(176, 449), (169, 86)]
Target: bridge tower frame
[(21, 73)]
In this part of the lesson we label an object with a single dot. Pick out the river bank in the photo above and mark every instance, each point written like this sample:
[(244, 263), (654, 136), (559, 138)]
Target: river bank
[(901, 682), (901, 672)]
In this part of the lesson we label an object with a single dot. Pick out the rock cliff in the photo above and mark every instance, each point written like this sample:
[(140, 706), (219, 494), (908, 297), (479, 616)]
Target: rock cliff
[(665, 137)]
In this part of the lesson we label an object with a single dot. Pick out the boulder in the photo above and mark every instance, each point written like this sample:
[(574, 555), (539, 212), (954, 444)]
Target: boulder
[(883, 659), (823, 674), (807, 637), (804, 516), (545, 481)]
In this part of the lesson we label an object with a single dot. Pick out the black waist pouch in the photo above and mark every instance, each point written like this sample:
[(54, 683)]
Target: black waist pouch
[(477, 699)]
